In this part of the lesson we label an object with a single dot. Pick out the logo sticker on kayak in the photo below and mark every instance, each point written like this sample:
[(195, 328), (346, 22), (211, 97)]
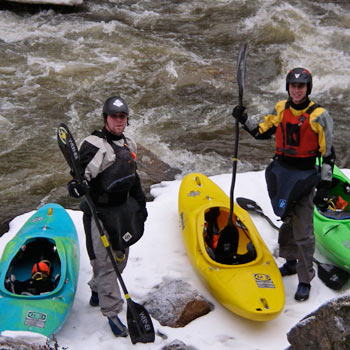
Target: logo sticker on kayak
[(194, 194), (36, 219), (346, 244), (35, 319), (263, 281)]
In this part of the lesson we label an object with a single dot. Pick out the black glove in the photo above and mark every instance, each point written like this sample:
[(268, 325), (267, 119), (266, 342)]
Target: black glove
[(238, 113), (322, 196), (77, 188)]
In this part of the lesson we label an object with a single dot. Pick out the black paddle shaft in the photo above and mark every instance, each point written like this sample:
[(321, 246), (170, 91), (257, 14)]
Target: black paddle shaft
[(241, 69), (139, 321), (229, 236)]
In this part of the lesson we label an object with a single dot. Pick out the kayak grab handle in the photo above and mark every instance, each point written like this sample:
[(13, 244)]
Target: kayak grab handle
[(198, 181)]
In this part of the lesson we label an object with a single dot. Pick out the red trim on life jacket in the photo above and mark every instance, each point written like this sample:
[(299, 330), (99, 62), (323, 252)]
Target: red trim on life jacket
[(294, 135)]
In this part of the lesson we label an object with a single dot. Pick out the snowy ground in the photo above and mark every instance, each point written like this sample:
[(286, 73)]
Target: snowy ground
[(159, 255)]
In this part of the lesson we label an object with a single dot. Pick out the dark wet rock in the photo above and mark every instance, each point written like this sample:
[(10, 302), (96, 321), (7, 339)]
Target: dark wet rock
[(152, 170)]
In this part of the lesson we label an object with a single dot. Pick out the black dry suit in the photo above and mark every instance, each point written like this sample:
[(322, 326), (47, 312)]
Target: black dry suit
[(115, 188)]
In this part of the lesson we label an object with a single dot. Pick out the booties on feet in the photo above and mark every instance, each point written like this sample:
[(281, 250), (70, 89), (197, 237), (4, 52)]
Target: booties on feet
[(289, 268), (94, 299), (303, 292), (117, 327)]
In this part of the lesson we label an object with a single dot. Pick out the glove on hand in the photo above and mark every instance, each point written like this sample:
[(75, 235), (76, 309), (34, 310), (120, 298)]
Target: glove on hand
[(239, 114), (77, 188), (322, 196)]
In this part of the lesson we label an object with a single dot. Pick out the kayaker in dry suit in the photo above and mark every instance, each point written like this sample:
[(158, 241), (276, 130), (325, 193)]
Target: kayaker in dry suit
[(303, 131), (108, 161)]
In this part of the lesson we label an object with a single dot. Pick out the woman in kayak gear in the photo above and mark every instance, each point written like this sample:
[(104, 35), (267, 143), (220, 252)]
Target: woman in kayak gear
[(107, 159), (304, 131)]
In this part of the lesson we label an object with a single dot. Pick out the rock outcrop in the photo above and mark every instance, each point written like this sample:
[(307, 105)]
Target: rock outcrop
[(175, 304), (327, 328)]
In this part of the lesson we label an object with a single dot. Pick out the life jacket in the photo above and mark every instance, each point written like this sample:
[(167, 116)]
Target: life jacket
[(294, 135), (112, 185)]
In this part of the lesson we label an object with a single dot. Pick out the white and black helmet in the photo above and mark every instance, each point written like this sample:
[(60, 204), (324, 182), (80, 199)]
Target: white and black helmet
[(114, 105)]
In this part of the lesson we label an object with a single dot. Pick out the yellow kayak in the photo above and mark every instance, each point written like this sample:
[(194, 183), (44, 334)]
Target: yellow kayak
[(248, 282)]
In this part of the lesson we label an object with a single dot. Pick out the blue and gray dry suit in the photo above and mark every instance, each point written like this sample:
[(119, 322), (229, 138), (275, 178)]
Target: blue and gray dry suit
[(99, 163), (296, 235)]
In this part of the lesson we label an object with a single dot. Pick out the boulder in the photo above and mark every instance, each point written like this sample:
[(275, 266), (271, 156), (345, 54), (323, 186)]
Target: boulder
[(152, 170), (327, 328), (175, 304), (177, 345)]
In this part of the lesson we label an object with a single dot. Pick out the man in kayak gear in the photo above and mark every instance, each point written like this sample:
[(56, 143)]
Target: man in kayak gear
[(304, 132), (108, 163)]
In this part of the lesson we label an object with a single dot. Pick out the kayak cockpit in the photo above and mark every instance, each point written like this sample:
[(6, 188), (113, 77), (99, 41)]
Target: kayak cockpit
[(35, 269), (338, 204), (234, 248)]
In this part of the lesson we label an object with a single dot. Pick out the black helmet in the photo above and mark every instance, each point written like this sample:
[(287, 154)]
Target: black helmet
[(299, 75), (114, 105)]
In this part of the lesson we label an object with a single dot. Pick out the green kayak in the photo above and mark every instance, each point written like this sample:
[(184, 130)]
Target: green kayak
[(332, 227)]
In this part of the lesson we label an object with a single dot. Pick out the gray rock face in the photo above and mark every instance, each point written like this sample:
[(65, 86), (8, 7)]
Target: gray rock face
[(327, 328), (173, 303)]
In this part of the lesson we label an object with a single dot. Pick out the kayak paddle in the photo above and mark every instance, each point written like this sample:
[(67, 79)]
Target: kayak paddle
[(332, 276), (228, 241), (139, 321), (250, 205)]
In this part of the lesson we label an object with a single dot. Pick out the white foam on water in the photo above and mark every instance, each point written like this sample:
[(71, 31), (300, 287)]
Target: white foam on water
[(175, 66), (314, 46), (52, 2)]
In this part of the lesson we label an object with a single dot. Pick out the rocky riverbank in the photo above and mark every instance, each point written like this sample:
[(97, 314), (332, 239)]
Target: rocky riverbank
[(151, 169)]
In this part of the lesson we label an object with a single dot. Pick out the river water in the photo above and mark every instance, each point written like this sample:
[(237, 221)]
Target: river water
[(174, 61)]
